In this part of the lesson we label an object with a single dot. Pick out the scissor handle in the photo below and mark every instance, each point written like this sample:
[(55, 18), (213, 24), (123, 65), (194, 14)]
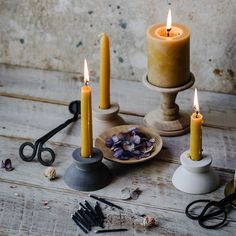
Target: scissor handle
[(191, 205), (41, 160), (209, 216), (21, 151), (203, 217)]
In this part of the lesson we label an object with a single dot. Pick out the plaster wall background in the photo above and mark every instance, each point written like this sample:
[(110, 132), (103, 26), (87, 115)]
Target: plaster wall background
[(59, 34)]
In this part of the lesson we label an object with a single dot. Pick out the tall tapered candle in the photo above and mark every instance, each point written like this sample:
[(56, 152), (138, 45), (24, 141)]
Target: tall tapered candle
[(196, 132), (86, 116), (104, 102)]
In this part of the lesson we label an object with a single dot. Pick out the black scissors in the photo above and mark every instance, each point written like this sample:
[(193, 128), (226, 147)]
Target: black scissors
[(37, 147), (210, 211)]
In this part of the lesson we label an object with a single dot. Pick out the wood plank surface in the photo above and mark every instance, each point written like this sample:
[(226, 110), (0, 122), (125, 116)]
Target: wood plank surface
[(133, 97), (153, 178), (30, 120), (22, 213), (32, 102)]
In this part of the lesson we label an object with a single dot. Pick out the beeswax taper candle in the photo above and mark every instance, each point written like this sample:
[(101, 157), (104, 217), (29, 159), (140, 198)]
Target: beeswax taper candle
[(196, 132), (86, 116), (104, 102)]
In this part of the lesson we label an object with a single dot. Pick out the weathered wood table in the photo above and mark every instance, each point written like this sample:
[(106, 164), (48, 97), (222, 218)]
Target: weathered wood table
[(35, 101)]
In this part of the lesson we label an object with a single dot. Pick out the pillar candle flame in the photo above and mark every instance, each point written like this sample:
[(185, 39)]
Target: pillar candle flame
[(169, 21), (86, 73), (195, 103)]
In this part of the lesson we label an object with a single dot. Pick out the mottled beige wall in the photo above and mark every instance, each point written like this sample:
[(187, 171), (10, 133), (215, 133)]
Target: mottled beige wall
[(58, 34)]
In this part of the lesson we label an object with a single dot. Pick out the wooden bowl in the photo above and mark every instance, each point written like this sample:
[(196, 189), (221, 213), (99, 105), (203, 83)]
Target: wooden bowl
[(107, 153)]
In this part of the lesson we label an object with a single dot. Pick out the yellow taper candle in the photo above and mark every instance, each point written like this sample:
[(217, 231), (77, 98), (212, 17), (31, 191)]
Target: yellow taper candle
[(86, 116), (104, 102), (168, 51), (196, 132)]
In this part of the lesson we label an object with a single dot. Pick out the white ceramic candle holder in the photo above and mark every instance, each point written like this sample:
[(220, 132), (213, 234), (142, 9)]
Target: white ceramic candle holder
[(104, 119), (195, 177)]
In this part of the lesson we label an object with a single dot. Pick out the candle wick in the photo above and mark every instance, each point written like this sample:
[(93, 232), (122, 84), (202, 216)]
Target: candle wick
[(168, 32), (196, 111), (86, 83)]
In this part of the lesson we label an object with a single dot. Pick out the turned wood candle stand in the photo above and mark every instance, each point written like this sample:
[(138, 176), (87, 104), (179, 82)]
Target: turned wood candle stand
[(104, 119), (167, 119)]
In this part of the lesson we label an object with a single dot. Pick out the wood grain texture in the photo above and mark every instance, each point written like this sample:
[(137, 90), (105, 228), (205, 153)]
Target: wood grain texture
[(153, 178), (32, 102), (61, 88), (30, 120), (22, 213)]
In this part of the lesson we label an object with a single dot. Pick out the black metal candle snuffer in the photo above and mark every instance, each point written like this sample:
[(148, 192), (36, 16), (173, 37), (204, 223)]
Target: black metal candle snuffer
[(37, 147)]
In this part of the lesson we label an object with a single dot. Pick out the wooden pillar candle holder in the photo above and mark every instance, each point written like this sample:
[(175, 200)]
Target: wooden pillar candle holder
[(104, 119), (195, 177), (87, 174), (167, 119)]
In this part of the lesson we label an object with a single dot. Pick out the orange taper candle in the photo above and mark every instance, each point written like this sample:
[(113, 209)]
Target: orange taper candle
[(104, 102), (196, 132), (86, 116)]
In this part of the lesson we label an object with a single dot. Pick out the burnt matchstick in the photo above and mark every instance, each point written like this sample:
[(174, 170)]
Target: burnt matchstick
[(79, 224), (85, 216), (83, 221), (83, 206), (106, 202), (109, 230), (92, 217), (93, 214), (99, 210), (89, 207), (100, 214)]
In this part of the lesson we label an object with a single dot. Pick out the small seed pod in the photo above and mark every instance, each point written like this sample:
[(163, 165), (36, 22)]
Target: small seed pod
[(50, 173), (149, 221)]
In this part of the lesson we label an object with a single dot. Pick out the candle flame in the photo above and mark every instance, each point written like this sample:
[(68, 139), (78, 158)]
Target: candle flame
[(169, 21), (86, 72), (195, 103)]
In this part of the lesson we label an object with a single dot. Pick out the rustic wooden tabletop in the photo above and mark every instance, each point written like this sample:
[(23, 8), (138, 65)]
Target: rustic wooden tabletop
[(32, 102)]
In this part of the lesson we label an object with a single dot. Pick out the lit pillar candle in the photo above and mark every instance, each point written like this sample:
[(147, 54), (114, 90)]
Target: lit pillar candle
[(168, 49), (196, 132), (86, 116), (104, 72)]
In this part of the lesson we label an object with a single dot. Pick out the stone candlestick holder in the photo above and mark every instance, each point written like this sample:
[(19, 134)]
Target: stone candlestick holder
[(167, 119), (195, 177), (104, 119), (87, 174)]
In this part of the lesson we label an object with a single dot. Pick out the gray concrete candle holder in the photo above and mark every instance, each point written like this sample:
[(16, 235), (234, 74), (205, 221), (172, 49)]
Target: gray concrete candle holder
[(195, 177), (104, 119), (87, 174), (167, 119)]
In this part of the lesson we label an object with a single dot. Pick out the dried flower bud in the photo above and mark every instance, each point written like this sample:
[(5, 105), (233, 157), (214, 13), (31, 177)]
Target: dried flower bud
[(135, 139), (118, 153), (132, 143), (149, 221), (115, 138), (50, 173)]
